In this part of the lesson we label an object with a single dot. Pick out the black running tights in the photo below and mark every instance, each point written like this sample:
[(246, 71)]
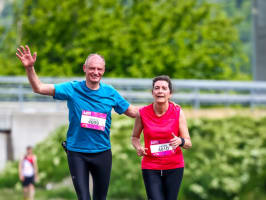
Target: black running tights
[(162, 184), (99, 165)]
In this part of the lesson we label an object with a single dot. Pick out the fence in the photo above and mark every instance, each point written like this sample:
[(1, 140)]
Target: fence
[(192, 92)]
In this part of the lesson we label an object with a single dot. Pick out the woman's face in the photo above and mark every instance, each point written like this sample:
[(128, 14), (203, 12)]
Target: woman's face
[(29, 151), (161, 92)]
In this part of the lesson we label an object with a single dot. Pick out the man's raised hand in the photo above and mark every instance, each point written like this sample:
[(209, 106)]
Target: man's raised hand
[(25, 56)]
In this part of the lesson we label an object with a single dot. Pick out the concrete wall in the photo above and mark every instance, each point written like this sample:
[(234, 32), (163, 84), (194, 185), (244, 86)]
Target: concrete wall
[(27, 124), (32, 128), (3, 149)]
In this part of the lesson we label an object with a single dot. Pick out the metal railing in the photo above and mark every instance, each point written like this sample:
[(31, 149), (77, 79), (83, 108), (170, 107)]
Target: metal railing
[(192, 92)]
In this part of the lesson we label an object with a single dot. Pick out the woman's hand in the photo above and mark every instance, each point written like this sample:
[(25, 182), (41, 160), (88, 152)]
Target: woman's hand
[(36, 178), (141, 151), (175, 141), (21, 177)]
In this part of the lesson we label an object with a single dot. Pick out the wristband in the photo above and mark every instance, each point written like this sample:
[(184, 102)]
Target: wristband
[(183, 142)]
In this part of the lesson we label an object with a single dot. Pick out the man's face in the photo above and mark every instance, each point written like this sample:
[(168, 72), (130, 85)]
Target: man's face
[(94, 69)]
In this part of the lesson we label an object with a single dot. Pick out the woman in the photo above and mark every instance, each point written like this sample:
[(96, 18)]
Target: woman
[(28, 173), (165, 132)]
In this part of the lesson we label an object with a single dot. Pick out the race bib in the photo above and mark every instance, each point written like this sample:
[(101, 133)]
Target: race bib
[(93, 120), (161, 148)]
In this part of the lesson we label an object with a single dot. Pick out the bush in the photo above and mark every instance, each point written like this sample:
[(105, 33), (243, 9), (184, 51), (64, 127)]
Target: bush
[(227, 160), (51, 159)]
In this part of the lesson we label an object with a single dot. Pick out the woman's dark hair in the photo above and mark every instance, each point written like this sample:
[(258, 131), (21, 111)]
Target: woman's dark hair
[(163, 78), (29, 147)]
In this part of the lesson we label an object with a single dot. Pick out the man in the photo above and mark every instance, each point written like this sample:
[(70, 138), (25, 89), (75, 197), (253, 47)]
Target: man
[(88, 138)]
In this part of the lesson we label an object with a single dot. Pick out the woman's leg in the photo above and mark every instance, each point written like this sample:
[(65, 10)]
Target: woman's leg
[(31, 191), (153, 184), (172, 182), (26, 192)]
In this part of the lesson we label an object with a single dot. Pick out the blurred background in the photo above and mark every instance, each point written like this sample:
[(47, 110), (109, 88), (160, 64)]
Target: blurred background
[(213, 50)]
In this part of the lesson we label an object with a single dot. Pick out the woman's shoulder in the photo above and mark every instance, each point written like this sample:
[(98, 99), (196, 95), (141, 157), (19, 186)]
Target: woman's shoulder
[(174, 108), (174, 104), (146, 108)]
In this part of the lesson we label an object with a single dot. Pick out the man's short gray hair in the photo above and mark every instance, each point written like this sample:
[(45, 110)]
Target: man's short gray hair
[(92, 55)]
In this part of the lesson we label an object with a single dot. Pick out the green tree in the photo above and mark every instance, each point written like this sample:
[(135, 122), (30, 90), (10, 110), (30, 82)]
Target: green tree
[(241, 10), (138, 38)]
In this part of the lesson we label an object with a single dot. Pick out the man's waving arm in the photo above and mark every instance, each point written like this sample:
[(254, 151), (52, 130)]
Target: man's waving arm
[(28, 60)]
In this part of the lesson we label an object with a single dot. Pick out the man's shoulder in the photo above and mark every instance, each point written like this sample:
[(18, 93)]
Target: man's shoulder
[(107, 87), (70, 83), (76, 83)]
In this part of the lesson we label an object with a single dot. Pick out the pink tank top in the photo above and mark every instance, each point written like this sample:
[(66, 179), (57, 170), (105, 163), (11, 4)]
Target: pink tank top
[(157, 133)]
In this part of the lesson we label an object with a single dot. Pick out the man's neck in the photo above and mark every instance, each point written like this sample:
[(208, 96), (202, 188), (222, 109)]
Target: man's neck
[(93, 86)]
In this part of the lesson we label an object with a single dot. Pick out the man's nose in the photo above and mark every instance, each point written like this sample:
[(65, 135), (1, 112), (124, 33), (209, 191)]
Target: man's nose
[(96, 71)]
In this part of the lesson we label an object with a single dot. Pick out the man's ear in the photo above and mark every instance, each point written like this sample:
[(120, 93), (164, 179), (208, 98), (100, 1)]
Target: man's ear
[(84, 67)]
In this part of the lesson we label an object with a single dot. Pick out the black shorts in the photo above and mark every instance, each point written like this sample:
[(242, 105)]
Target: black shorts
[(28, 180)]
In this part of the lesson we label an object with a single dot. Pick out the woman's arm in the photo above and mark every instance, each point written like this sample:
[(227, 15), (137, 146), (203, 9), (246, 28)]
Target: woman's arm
[(184, 139), (35, 165), (135, 139), (183, 130)]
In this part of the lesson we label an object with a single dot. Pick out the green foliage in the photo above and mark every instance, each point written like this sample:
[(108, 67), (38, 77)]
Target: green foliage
[(183, 39), (227, 161), (63, 193), (9, 176), (41, 194), (51, 159), (241, 10), (126, 178)]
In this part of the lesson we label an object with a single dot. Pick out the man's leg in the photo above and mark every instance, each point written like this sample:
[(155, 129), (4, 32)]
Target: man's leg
[(79, 171), (100, 168)]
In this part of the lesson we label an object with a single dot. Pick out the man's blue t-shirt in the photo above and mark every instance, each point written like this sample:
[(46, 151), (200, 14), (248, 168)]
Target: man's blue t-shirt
[(92, 108)]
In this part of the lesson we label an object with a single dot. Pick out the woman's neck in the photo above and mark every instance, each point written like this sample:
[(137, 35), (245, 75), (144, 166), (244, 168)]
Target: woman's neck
[(160, 109)]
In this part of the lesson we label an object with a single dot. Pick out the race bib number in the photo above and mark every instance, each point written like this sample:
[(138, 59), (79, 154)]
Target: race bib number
[(93, 120), (161, 148)]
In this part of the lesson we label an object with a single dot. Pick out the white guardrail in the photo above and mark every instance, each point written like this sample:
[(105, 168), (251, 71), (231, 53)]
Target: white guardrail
[(192, 92)]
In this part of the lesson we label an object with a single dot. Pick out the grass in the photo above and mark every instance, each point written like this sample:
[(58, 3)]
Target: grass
[(41, 194)]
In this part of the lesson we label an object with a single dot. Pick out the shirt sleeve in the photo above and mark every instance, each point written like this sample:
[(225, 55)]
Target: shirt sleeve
[(121, 104), (63, 91)]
